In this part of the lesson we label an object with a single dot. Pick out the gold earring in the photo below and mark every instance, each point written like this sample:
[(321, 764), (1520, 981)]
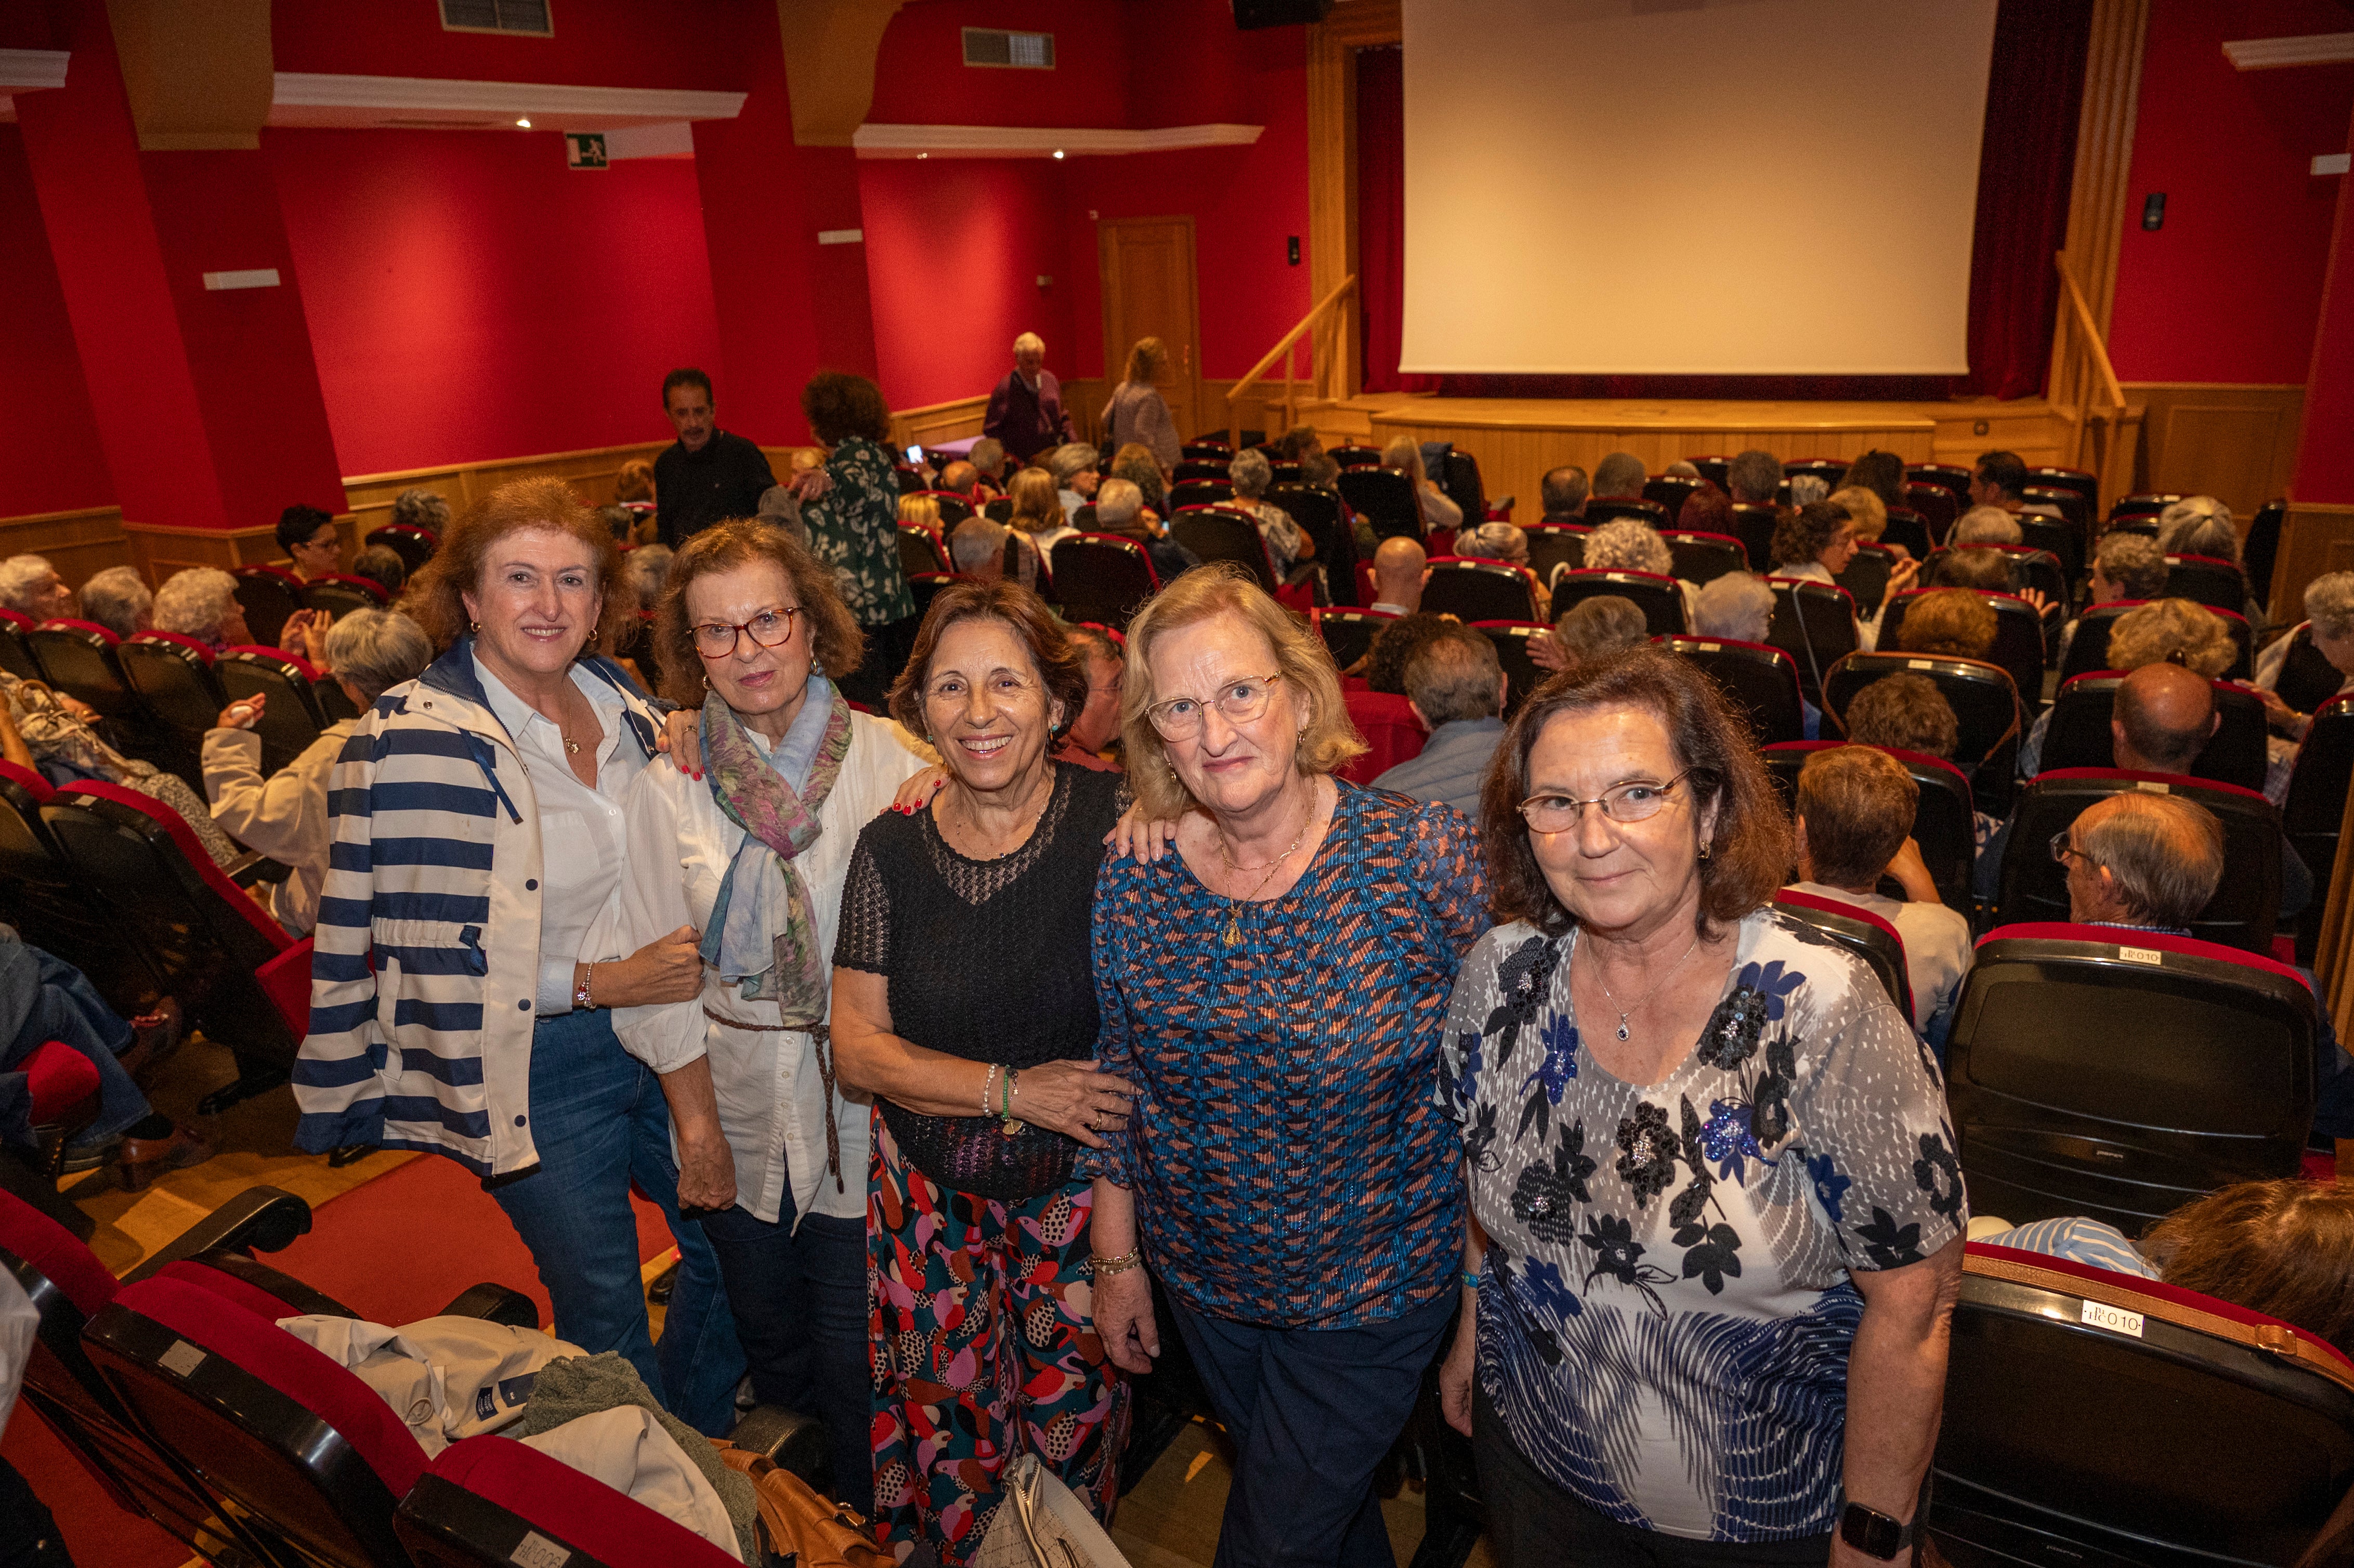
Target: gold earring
[(474, 625)]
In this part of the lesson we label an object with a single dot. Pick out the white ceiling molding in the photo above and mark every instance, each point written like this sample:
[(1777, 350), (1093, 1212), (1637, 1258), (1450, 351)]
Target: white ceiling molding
[(29, 70), (1039, 141), (2307, 48), (413, 103), (670, 139)]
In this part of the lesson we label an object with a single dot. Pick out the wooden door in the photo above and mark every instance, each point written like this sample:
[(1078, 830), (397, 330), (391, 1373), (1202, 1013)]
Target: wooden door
[(1148, 291)]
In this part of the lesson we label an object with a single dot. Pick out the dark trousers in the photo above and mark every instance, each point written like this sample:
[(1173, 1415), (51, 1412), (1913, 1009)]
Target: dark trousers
[(44, 998), (800, 1302), (1311, 1412), (888, 647), (1532, 1521), (28, 1534)]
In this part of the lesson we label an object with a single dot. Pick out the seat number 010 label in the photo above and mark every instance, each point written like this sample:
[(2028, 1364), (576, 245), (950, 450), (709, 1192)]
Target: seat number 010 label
[(2116, 1320)]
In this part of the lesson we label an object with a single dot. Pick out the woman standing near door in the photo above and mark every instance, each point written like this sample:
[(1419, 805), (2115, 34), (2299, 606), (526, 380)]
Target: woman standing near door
[(1137, 411)]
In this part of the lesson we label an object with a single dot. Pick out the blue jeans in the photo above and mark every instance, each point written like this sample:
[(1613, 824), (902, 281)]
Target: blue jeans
[(1311, 1412), (599, 1122), (799, 1301), (44, 998)]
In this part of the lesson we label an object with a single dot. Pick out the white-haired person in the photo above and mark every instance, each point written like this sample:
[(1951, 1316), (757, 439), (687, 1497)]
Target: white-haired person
[(1077, 469), (1287, 544), (1739, 608), (284, 814), (1631, 545), (1508, 543), (1437, 511), (2202, 526), (2329, 623), (118, 600), (30, 586), (1025, 409), (200, 602)]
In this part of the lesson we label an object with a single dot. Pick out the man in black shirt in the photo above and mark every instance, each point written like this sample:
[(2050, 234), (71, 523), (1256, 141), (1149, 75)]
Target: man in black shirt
[(706, 474)]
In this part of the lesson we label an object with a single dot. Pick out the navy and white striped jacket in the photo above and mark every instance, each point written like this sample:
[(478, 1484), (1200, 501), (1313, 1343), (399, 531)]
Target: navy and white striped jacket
[(427, 957)]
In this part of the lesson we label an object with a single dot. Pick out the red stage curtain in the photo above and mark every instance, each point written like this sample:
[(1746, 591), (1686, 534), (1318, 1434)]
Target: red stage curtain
[(2025, 166)]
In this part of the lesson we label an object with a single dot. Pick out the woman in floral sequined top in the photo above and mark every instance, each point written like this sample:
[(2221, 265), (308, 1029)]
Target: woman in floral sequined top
[(1717, 1211)]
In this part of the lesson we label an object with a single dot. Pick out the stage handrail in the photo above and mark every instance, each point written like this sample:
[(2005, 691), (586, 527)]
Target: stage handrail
[(2097, 351), (2084, 390), (1323, 367)]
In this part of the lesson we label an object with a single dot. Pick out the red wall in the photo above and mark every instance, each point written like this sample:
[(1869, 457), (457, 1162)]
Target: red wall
[(596, 43), (50, 457), (920, 76), (470, 297), (2230, 289)]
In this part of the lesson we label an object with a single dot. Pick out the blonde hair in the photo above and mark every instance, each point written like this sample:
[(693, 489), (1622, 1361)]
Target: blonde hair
[(1145, 360), (921, 510), (2163, 628), (1864, 509), (1328, 739), (1406, 456), (1037, 501)]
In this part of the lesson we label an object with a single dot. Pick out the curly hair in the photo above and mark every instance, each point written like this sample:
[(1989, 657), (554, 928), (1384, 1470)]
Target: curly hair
[(1394, 647), (436, 595), (1628, 545), (839, 404), (1951, 622), (836, 643), (1222, 588), (1803, 533), (1060, 669), (2172, 629), (1905, 712), (1752, 847), (1135, 464)]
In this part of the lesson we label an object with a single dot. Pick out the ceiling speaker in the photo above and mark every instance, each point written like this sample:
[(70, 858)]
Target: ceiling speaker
[(1249, 14)]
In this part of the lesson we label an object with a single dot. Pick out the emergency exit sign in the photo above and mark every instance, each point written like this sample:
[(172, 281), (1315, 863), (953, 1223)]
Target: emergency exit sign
[(584, 150)]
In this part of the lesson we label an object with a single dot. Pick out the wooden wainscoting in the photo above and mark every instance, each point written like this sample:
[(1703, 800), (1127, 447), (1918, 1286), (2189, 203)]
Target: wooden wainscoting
[(590, 471), (950, 421), (2316, 538), (77, 542), (2235, 442), (158, 549)]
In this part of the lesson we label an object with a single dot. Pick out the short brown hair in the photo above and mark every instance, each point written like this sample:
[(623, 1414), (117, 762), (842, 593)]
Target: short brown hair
[(635, 482), (1222, 588), (1952, 622), (1858, 806), (1979, 566), (837, 644), (1751, 851), (435, 596), (1037, 501), (1804, 533), (1060, 667), (2284, 1248), (1707, 509), (1906, 712), (839, 404)]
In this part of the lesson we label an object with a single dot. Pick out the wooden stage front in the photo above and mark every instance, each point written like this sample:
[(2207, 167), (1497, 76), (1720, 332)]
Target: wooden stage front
[(1517, 440)]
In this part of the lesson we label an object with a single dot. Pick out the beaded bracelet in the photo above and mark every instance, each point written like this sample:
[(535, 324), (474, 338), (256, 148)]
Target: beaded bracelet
[(987, 1078), (1109, 1266), (580, 992)]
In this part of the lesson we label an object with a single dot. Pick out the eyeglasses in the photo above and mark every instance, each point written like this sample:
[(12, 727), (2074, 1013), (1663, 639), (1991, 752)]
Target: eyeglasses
[(1630, 802), (2062, 851), (1180, 719), (772, 628)]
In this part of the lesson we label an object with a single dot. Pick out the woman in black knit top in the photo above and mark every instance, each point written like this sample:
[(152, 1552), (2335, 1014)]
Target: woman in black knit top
[(963, 1002)]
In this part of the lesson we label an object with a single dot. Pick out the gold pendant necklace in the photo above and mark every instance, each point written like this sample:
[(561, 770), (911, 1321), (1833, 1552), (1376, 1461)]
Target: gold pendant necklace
[(1234, 932)]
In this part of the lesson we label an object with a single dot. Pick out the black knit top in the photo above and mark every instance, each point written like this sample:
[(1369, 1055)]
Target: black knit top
[(987, 960)]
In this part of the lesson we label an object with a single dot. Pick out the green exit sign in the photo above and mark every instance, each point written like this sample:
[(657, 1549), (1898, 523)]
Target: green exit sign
[(584, 150)]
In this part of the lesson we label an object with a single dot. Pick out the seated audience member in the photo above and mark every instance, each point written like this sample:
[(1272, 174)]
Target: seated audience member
[(1073, 465), (1753, 477), (647, 571), (1591, 631), (1985, 526), (418, 507), (382, 565), (30, 586), (2199, 525), (118, 600), (1682, 468), (2164, 631), (1508, 543), (1882, 473), (200, 602), (1867, 511), (1814, 543), (1631, 545), (618, 519), (285, 815), (1855, 812), (1984, 571), (2329, 614), (1120, 509), (780, 507), (961, 478), (1457, 687), (1907, 713), (921, 510), (43, 998), (2000, 481), (2144, 860), (1949, 623), (1096, 729), (633, 491), (313, 544), (1287, 546), (1619, 477), (1297, 444), (1399, 567), (1563, 490), (986, 551), (1135, 464), (1038, 511), (988, 459), (1993, 571), (1739, 608), (1807, 487), (1439, 511), (2125, 567), (40, 731), (1707, 509), (1383, 668)]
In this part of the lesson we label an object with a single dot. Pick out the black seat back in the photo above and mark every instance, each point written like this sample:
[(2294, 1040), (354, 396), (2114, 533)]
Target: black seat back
[(269, 596), (1670, 492), (2316, 803), (1713, 469), (954, 507), (1763, 683), (2088, 650), (1200, 468), (15, 652), (1700, 558), (1459, 476), (173, 677), (2118, 1075), (1512, 639), (1986, 710), (2307, 679), (1943, 824), (2079, 731), (1752, 524), (2034, 886), (1349, 457), (1317, 511), (1386, 498), (414, 545), (2030, 568), (1866, 577), (77, 659), (1938, 508), (1860, 932), (1660, 598), (2218, 585), (2018, 636), (2051, 1365), (1555, 546), (1471, 589), (1814, 623), (1831, 471), (1598, 512), (42, 896), (1219, 533), (1349, 634), (1907, 527), (2060, 538), (2261, 549), (1199, 493), (1102, 578), (2146, 504), (1202, 449), (919, 550), (292, 717), (926, 586), (339, 596), (1951, 476)]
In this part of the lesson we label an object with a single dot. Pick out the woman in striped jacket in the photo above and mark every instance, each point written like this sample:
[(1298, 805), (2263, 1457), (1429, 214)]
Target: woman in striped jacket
[(467, 942)]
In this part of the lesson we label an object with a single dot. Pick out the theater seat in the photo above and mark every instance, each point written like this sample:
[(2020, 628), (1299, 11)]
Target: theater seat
[(2146, 504), (291, 716), (1814, 623), (2307, 679), (172, 675), (1713, 469), (1555, 546), (2097, 1418), (1762, 681), (15, 652), (269, 596), (920, 550), (1393, 734), (2118, 1075), (493, 1502), (1348, 634), (954, 507), (2246, 905), (2218, 585), (1866, 577), (2078, 736), (1937, 506), (1985, 705), (2088, 650), (1909, 528), (1670, 492), (1661, 600), (1102, 578), (339, 594), (1204, 450), (1944, 822), (77, 658), (2017, 638), (1190, 468), (1831, 471), (414, 545), (1522, 674), (1199, 493), (42, 895), (1317, 511), (1223, 534), (1700, 558), (2315, 806), (1598, 512), (1862, 933), (1349, 456), (1952, 477), (1471, 591), (2030, 568), (1386, 498), (1752, 524), (60, 1086)]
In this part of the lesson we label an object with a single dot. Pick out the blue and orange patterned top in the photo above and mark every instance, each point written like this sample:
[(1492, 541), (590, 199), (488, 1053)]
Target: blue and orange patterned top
[(1290, 1164)]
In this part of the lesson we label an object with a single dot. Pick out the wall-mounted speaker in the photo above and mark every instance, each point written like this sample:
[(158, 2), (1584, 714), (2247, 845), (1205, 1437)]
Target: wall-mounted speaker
[(1249, 14)]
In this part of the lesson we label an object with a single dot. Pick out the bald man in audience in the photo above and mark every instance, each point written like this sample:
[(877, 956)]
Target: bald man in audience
[(1398, 571), (1619, 477), (960, 478), (1563, 492)]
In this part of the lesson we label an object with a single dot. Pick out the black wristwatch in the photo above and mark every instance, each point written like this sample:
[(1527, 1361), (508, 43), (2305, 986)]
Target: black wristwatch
[(1873, 1534)]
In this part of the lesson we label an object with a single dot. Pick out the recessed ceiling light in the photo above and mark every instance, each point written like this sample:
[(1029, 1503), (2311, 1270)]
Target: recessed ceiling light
[(525, 125), (1058, 152)]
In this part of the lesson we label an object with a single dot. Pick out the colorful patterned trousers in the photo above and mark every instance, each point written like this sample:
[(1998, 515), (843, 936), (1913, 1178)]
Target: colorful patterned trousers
[(983, 1347)]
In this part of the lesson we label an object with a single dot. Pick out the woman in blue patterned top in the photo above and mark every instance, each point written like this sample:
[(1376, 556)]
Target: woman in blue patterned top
[(1275, 989), (1717, 1211)]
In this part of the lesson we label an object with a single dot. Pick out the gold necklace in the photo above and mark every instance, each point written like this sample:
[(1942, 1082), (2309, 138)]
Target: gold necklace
[(1234, 932)]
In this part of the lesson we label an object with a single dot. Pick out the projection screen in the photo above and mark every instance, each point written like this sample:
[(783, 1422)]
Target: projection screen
[(1692, 187)]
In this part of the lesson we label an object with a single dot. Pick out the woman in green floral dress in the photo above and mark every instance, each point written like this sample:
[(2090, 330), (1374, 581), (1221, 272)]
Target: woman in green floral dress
[(851, 510)]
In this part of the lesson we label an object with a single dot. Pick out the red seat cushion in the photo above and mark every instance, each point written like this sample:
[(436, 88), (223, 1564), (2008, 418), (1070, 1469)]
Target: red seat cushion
[(210, 1320), (1392, 733), (586, 1513), (60, 1077), (229, 1288), (25, 778), (52, 1249)]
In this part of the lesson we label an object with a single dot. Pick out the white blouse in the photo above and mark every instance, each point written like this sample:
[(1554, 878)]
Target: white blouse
[(772, 1100)]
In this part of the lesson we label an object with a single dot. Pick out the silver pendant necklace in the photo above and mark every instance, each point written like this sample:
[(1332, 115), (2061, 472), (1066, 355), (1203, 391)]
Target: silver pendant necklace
[(1638, 1005)]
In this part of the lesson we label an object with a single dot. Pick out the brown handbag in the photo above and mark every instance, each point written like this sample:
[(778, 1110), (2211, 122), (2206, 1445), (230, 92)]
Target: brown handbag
[(797, 1523)]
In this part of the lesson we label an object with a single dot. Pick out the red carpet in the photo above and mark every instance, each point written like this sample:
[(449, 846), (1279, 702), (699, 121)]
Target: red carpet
[(396, 1250)]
